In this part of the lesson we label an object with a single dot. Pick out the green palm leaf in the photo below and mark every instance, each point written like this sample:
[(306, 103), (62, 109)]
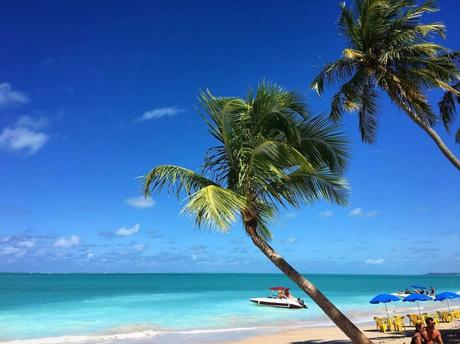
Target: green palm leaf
[(215, 207), (175, 178)]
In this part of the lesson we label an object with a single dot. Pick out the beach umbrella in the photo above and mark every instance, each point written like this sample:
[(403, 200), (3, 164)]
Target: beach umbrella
[(417, 298), (384, 298), (447, 295)]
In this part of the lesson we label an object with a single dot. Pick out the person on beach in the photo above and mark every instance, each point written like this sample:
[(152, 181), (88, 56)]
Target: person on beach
[(431, 335), (418, 336)]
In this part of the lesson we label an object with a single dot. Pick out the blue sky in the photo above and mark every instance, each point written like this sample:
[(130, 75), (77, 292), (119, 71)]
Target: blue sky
[(93, 95)]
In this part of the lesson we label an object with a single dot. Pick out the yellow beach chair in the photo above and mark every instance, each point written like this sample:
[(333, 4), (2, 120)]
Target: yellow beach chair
[(382, 324), (445, 316), (414, 318), (398, 323), (455, 314)]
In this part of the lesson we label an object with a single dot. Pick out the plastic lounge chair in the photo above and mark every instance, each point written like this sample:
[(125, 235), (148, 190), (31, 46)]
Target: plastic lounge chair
[(446, 317), (455, 314), (398, 323), (382, 324), (413, 318)]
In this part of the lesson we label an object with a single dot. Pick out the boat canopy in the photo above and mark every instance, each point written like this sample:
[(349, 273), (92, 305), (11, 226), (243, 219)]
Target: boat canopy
[(279, 288), (418, 287)]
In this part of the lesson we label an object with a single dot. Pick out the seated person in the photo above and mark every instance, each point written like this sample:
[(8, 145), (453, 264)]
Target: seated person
[(431, 335), (418, 336)]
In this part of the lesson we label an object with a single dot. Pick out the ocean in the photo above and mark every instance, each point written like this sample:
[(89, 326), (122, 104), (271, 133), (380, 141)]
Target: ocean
[(168, 308)]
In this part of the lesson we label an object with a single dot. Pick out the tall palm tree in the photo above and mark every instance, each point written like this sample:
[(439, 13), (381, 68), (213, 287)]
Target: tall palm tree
[(446, 105), (447, 109), (390, 49), (270, 153)]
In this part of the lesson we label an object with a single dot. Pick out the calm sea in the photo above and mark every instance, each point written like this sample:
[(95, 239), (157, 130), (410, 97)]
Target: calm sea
[(36, 306)]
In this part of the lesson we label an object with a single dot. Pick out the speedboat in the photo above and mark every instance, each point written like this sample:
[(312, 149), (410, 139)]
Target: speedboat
[(280, 297), (415, 289)]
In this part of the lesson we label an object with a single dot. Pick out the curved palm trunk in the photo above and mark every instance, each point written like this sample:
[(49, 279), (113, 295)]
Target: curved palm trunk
[(439, 142), (430, 131), (353, 332)]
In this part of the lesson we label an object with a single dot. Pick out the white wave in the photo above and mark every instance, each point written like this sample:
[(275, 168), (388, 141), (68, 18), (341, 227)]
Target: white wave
[(86, 338)]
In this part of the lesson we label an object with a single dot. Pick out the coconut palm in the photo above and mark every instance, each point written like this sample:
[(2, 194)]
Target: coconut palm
[(389, 49), (447, 109), (271, 153), (446, 105)]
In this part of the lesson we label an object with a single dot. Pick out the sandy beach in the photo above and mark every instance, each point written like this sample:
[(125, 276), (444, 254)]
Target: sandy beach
[(332, 335)]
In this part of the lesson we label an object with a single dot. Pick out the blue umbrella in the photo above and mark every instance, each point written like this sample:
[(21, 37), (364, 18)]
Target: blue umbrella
[(417, 298), (384, 298), (447, 295)]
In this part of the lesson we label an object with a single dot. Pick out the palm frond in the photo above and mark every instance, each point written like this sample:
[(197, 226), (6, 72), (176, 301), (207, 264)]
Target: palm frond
[(368, 113), (331, 72), (175, 178), (447, 107), (323, 144), (304, 186), (215, 207)]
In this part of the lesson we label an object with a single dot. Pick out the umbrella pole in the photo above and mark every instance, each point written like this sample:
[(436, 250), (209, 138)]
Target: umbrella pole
[(448, 307), (388, 317), (419, 313)]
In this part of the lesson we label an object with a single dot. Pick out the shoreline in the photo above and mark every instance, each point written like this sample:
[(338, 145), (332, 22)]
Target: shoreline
[(269, 335)]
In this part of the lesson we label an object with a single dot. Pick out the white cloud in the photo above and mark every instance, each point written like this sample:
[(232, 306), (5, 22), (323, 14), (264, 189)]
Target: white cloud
[(361, 213), (26, 243), (8, 250), (123, 231), (373, 261), (139, 247), (24, 135), (140, 202), (8, 96), (5, 239), (291, 240), (356, 212), (73, 240), (372, 213), (326, 213), (160, 112)]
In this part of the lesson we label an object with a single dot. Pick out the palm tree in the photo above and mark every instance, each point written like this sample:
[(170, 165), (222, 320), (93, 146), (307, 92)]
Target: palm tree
[(447, 109), (271, 153), (390, 49), (446, 105)]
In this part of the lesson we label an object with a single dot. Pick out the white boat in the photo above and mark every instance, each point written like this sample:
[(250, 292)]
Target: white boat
[(400, 294), (280, 297)]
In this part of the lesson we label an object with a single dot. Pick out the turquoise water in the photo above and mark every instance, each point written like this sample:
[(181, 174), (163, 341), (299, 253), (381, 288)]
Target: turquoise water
[(47, 305)]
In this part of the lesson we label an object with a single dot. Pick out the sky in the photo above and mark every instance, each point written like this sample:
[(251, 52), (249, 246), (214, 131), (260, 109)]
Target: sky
[(95, 94)]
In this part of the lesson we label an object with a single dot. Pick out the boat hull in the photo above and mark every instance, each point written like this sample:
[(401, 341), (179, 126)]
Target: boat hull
[(278, 303)]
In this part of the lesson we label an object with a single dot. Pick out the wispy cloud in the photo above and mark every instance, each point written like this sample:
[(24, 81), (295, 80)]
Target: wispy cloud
[(128, 231), (8, 96), (8, 250), (140, 247), (140, 202), (326, 213), (375, 261), (72, 241), (361, 213), (25, 134), (160, 112)]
